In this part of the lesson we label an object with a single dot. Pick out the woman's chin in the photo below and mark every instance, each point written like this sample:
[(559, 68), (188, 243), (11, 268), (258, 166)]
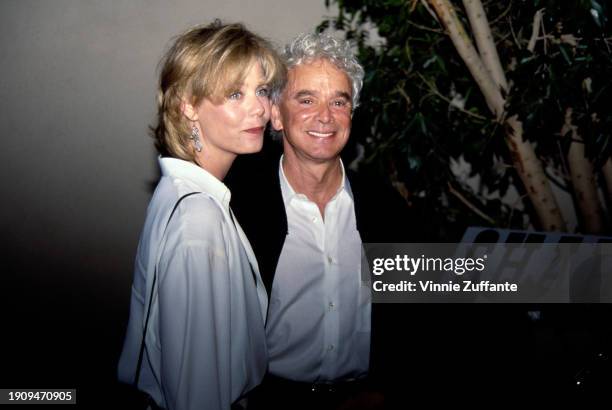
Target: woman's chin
[(252, 147)]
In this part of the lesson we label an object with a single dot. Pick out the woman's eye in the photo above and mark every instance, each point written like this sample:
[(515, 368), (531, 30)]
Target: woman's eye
[(236, 95), (263, 92)]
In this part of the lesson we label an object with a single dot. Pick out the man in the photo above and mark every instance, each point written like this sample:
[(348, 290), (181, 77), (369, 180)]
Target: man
[(306, 217)]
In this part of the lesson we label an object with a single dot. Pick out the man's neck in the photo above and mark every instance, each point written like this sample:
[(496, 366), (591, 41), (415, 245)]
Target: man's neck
[(318, 181)]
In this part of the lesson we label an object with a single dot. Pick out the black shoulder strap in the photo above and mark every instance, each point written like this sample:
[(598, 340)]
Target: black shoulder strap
[(144, 330)]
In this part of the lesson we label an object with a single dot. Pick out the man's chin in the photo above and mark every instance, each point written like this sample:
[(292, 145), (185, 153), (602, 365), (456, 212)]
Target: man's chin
[(324, 158), (328, 154)]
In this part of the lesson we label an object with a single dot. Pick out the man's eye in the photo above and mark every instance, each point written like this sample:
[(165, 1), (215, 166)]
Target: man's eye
[(263, 92), (340, 103), (306, 101), (236, 95)]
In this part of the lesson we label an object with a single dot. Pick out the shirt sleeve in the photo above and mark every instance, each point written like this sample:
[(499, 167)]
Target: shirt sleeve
[(194, 326)]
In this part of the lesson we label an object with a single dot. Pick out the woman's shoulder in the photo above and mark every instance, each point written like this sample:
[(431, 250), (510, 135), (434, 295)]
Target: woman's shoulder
[(196, 214), (186, 194)]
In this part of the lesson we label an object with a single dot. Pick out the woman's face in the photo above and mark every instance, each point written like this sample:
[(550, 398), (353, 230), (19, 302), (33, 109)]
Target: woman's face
[(236, 125)]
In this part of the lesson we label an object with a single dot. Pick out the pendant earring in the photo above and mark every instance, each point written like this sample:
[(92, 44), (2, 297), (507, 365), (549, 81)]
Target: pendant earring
[(195, 136)]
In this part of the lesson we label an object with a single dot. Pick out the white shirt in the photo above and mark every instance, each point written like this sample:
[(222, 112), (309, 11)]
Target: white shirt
[(205, 342), (319, 317)]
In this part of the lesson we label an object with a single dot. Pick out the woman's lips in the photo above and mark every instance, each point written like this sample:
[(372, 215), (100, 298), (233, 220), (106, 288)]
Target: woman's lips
[(256, 130)]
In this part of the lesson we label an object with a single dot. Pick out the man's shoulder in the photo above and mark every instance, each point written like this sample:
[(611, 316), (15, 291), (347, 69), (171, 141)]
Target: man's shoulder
[(259, 167), (254, 183)]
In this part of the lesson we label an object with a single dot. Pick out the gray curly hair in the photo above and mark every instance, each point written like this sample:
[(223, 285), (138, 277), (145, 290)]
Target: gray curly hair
[(313, 46)]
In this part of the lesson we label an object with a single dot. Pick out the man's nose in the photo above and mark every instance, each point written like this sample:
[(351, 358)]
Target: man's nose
[(325, 115)]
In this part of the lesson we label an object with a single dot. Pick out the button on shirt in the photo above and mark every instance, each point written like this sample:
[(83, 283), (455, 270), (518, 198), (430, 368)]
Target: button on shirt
[(205, 343), (319, 316)]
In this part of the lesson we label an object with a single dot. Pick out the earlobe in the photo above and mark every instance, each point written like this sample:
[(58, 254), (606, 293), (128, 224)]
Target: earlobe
[(189, 111), (275, 118)]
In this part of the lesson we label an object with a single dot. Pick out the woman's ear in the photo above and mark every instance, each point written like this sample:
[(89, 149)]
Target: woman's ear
[(189, 111), (275, 118)]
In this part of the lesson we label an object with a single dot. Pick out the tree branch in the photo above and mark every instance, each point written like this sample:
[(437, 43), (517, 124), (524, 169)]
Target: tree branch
[(516, 40), (470, 56), (583, 178), (435, 91), (502, 15), (467, 203), (484, 40), (535, 29), (420, 27), (526, 162), (531, 171)]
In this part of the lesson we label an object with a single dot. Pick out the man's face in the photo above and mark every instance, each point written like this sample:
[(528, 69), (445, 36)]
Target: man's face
[(315, 112)]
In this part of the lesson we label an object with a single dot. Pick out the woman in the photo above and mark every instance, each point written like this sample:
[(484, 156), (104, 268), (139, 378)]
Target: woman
[(197, 295)]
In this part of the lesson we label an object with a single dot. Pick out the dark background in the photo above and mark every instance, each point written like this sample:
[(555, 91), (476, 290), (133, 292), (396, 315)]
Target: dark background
[(77, 81)]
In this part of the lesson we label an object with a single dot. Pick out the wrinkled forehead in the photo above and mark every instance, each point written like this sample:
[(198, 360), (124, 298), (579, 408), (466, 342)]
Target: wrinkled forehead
[(320, 75)]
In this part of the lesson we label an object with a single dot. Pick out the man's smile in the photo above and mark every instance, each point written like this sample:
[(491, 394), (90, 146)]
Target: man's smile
[(320, 134)]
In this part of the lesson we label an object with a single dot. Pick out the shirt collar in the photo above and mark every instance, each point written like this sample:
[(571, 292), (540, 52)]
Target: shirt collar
[(289, 193), (196, 175)]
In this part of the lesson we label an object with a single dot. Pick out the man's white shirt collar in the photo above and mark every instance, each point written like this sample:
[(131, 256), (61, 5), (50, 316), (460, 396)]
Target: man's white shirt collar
[(289, 193)]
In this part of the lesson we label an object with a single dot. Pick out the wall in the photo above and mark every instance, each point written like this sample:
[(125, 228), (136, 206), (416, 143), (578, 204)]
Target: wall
[(77, 83)]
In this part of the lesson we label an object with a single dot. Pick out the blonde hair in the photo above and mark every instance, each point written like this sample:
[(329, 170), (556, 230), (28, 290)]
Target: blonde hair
[(206, 62)]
